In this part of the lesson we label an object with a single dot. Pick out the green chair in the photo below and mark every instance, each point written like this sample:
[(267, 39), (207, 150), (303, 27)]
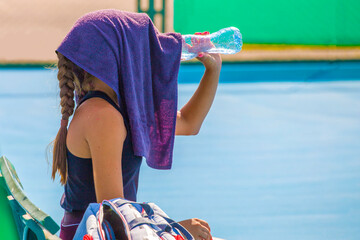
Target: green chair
[(19, 217)]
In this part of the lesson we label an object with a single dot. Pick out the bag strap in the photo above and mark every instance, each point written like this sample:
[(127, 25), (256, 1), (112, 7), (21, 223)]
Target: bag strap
[(100, 218), (140, 221), (173, 224), (114, 208), (147, 208), (179, 227)]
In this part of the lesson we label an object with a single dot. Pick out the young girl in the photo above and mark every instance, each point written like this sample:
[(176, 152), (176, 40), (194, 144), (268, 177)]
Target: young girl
[(124, 74)]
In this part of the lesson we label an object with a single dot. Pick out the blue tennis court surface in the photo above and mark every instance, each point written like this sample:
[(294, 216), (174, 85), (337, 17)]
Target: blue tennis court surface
[(278, 156)]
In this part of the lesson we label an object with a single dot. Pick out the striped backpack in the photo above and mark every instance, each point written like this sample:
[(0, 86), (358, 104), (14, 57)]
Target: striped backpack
[(126, 220)]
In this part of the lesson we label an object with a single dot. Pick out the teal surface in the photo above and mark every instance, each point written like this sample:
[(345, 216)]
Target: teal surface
[(273, 160)]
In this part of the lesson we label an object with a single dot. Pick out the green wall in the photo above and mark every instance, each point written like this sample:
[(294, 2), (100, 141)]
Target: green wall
[(304, 22)]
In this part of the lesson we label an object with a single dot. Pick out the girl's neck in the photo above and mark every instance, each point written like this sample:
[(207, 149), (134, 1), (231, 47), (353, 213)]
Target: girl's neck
[(103, 87)]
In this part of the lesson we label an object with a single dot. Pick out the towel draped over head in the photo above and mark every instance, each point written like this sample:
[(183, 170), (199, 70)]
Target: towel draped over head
[(128, 53)]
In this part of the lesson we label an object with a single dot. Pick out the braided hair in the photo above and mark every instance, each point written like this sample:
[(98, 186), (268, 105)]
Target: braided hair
[(71, 78)]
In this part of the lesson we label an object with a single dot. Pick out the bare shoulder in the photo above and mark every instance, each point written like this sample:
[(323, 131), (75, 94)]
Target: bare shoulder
[(101, 120)]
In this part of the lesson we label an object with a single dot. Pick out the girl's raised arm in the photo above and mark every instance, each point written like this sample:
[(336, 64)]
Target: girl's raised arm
[(192, 114)]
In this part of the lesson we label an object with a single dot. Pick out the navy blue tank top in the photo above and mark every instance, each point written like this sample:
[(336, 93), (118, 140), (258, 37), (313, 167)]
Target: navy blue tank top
[(79, 188)]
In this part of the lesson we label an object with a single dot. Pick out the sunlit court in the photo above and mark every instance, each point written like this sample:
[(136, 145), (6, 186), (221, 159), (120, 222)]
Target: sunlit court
[(277, 155)]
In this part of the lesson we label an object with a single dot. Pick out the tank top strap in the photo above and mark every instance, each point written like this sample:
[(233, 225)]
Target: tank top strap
[(100, 94)]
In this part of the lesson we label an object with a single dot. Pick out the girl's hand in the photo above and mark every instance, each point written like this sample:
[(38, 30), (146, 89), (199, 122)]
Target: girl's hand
[(198, 228), (211, 61)]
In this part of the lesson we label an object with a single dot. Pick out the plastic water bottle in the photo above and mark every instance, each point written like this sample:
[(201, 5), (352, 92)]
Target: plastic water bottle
[(225, 41)]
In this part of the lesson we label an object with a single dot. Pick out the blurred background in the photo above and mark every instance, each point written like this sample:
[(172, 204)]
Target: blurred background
[(272, 30), (278, 156)]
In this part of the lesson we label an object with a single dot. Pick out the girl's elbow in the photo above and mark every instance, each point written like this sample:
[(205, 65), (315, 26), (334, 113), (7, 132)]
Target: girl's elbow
[(190, 132), (191, 128), (195, 131)]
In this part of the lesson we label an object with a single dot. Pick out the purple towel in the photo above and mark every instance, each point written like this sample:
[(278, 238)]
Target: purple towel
[(127, 52)]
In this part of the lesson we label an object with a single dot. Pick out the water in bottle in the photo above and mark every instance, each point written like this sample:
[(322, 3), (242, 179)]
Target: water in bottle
[(225, 41)]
